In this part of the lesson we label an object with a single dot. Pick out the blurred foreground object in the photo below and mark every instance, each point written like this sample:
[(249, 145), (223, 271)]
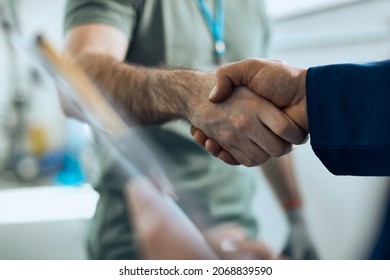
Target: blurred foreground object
[(159, 221), (164, 232)]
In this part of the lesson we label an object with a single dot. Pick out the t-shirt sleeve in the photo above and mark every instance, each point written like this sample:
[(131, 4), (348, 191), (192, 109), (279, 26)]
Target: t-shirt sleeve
[(121, 14)]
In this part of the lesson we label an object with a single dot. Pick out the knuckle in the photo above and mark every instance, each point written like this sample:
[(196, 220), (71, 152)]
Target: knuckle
[(279, 60), (282, 126), (243, 125), (221, 71), (250, 60), (240, 123), (229, 136)]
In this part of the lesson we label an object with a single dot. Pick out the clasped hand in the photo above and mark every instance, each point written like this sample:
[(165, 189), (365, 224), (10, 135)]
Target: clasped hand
[(257, 111)]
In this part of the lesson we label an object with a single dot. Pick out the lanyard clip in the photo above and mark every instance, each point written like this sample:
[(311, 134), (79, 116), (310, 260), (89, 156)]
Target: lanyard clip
[(220, 49)]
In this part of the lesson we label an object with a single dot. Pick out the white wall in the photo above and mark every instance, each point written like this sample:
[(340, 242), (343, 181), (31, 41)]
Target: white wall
[(356, 32), (279, 8), (34, 17)]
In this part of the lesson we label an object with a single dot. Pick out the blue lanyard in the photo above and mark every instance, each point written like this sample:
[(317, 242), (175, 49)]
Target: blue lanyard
[(216, 26)]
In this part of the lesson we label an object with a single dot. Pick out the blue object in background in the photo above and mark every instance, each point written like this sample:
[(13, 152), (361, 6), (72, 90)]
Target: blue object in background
[(72, 173)]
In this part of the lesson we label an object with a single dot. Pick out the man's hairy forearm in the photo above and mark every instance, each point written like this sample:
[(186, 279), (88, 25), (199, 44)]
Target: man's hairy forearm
[(150, 95)]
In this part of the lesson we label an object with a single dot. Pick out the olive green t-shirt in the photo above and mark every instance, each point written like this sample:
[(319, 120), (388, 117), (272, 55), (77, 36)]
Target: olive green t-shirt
[(173, 33)]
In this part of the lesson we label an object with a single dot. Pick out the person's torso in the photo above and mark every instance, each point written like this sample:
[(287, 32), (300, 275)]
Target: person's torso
[(174, 34)]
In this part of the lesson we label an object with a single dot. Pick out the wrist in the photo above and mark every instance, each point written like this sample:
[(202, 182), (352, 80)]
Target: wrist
[(292, 204), (177, 93), (295, 216), (195, 93)]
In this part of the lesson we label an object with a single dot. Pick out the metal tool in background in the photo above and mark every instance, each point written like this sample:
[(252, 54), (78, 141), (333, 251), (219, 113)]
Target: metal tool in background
[(13, 121)]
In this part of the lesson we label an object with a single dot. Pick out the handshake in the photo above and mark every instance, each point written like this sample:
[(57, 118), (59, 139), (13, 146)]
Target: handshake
[(257, 111)]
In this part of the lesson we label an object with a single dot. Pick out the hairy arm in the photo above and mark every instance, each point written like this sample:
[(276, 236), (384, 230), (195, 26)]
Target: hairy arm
[(150, 95)]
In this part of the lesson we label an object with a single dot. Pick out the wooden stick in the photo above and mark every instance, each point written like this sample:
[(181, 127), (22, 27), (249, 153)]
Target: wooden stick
[(87, 94)]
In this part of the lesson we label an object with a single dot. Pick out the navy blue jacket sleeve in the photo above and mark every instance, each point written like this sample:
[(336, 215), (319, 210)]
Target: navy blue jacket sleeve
[(349, 117)]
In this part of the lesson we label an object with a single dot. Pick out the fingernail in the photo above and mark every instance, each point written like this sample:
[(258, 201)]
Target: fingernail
[(213, 92)]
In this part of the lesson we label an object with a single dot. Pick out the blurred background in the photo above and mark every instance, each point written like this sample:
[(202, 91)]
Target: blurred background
[(46, 203)]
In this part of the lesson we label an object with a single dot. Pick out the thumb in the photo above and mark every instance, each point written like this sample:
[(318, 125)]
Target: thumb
[(223, 86)]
